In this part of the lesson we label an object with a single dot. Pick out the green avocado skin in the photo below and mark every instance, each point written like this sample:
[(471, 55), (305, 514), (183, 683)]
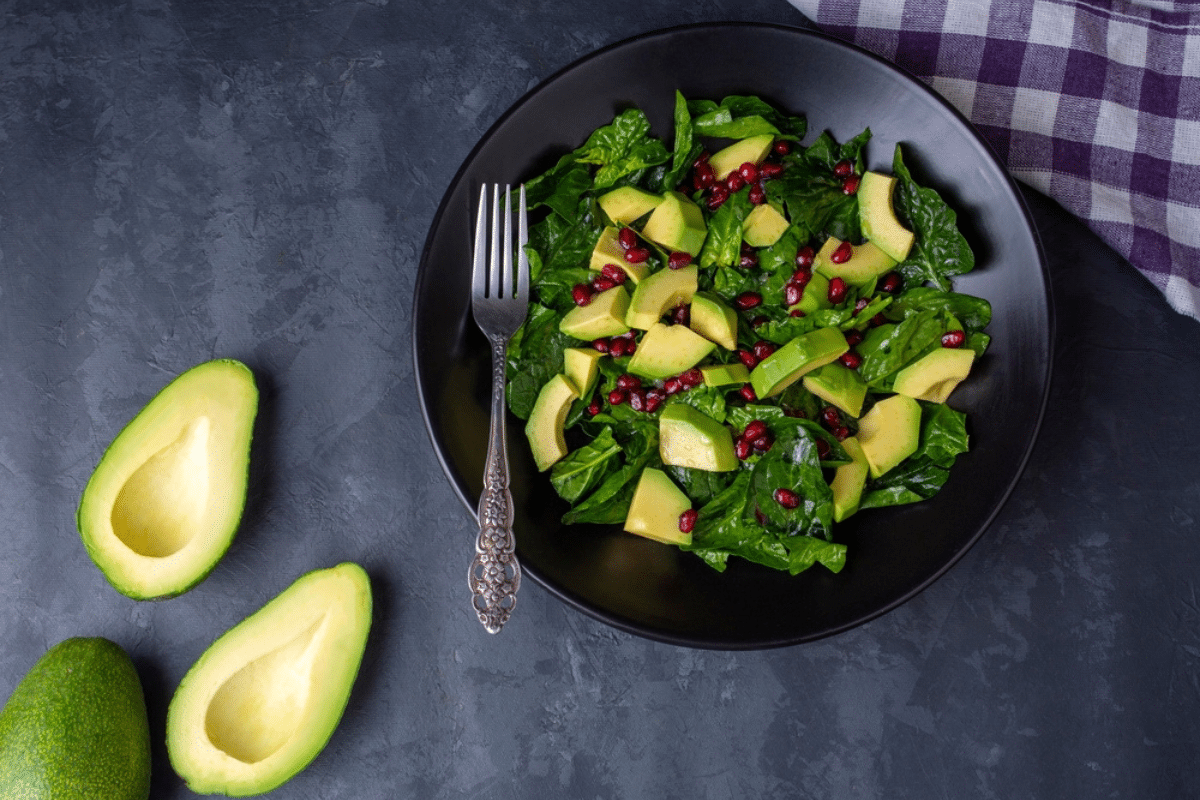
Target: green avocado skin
[(75, 728)]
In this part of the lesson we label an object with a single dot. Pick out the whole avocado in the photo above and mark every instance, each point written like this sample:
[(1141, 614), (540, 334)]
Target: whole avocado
[(76, 728)]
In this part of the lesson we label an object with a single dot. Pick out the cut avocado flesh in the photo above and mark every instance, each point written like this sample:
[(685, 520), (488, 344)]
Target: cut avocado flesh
[(935, 375), (76, 727), (658, 293), (668, 350), (751, 150), (264, 698), (608, 250), (166, 498), (764, 225), (544, 428), (889, 433), (714, 320), (725, 374), (656, 507), (625, 204), (791, 362), (838, 385), (816, 294), (677, 224), (581, 365), (877, 216), (849, 480), (866, 263), (603, 316), (687, 437)]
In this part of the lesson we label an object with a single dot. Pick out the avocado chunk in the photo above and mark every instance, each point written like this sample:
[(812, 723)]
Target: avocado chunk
[(877, 216), (625, 204), (658, 293), (544, 428), (608, 250), (690, 438), (668, 350), (655, 509), (677, 224), (763, 226), (866, 263), (76, 727), (581, 365), (725, 374), (166, 499), (791, 362), (265, 697), (752, 150), (889, 433), (935, 375), (603, 316), (838, 385), (816, 294), (714, 320), (849, 480)]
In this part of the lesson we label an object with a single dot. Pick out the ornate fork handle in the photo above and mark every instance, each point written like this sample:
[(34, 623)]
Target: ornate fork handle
[(495, 574)]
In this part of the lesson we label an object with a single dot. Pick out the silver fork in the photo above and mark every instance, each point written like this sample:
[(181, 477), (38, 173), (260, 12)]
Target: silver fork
[(499, 311)]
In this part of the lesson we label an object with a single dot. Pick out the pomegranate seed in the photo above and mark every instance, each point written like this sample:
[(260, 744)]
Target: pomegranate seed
[(627, 238), (594, 407), (748, 300), (758, 195), (763, 443), (860, 304), (637, 255), (763, 349), (748, 394), (843, 168), (717, 197), (850, 185), (802, 276), (892, 283), (853, 337), (759, 321), (705, 177), (616, 397), (687, 520), (613, 273), (878, 320), (682, 315), (837, 290), (700, 159), (754, 430), (842, 254), (602, 284), (581, 293), (734, 182), (749, 172), (741, 449), (954, 339), (831, 417), (787, 498), (654, 399), (794, 412), (769, 170), (627, 382), (782, 147), (795, 312), (672, 386), (600, 345), (618, 348), (804, 257), (792, 293), (822, 449), (631, 348), (637, 400), (692, 378), (747, 358), (749, 260), (679, 260), (851, 359), (841, 433), (760, 517)]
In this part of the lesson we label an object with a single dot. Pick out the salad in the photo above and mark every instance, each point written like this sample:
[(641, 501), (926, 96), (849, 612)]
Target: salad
[(737, 340)]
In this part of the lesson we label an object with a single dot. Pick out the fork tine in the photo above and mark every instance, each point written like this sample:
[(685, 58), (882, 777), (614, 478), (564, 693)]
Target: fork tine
[(506, 286), (522, 258), (479, 269), (494, 265)]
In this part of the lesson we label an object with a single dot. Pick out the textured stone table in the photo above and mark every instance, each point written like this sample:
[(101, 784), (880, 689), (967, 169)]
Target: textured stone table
[(182, 181)]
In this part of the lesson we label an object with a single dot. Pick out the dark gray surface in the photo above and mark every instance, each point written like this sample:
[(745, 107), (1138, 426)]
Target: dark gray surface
[(255, 180)]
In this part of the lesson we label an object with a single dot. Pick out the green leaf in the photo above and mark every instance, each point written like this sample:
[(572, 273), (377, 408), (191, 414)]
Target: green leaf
[(622, 147), (580, 471), (939, 250), (723, 246)]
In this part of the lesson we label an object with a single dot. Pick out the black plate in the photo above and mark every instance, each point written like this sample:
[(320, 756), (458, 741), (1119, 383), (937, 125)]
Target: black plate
[(657, 591)]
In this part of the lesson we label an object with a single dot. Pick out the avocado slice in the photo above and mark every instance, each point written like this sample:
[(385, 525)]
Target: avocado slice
[(659, 292), (725, 374), (668, 350), (76, 727), (889, 433), (714, 320), (655, 509), (677, 224), (581, 365), (544, 428), (626, 204), (877, 216), (753, 150), (608, 250), (763, 226), (816, 294), (849, 480), (166, 498), (791, 362), (935, 375), (603, 316), (838, 385), (265, 697), (866, 263), (687, 437)]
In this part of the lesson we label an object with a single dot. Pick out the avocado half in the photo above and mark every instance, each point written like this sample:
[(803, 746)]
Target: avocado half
[(166, 498), (264, 698)]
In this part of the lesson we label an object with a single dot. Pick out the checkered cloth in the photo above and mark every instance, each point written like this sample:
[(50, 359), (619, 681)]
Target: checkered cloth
[(1095, 103)]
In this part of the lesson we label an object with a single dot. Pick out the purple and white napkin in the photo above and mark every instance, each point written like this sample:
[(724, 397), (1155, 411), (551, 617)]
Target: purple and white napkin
[(1095, 103)]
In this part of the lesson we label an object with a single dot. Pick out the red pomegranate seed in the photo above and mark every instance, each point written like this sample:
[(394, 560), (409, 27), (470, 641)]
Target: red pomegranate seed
[(748, 300), (787, 498), (626, 382), (860, 304), (831, 416), (954, 339), (892, 283), (594, 407), (749, 260), (842, 254), (759, 321), (853, 336), (627, 238), (654, 399), (748, 394), (802, 276), (616, 397), (769, 170), (758, 195), (672, 386), (631, 348), (613, 273), (841, 433), (700, 159), (637, 255), (602, 284), (741, 448), (734, 182), (878, 320), (687, 520), (749, 172), (850, 185), (763, 443), (804, 257), (851, 359), (747, 358), (754, 429), (581, 293), (704, 177), (794, 412), (637, 400), (679, 260), (692, 378), (792, 293), (681, 315), (763, 349), (600, 345), (795, 312), (822, 449), (618, 348), (717, 197), (782, 147), (837, 290), (843, 168)]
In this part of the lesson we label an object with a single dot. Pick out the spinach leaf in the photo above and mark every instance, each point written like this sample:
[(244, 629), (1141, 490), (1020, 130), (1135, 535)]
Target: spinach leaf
[(939, 250), (686, 149), (889, 348), (622, 147), (581, 470), (813, 195), (973, 312), (792, 464), (723, 246), (535, 355), (721, 531)]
